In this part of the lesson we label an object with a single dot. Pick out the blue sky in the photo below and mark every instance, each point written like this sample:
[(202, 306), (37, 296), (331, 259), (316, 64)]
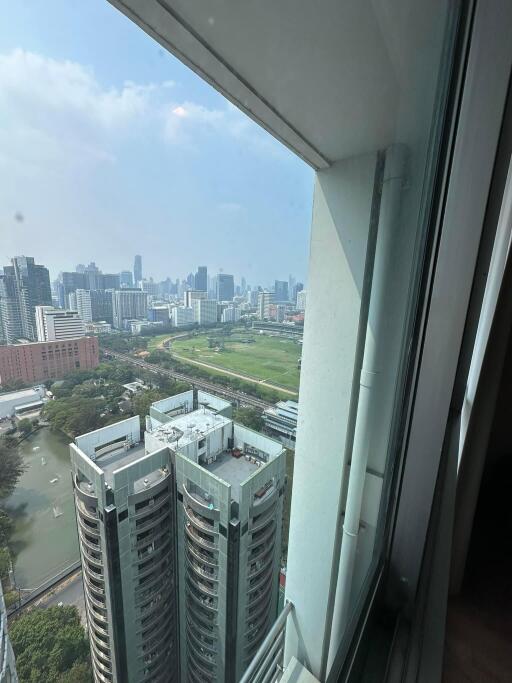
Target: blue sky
[(109, 146)]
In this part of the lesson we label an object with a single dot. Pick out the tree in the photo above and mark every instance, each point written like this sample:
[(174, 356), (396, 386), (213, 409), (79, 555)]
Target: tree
[(11, 467), (5, 563), (141, 403), (48, 643), (25, 426), (80, 672), (250, 417), (6, 528)]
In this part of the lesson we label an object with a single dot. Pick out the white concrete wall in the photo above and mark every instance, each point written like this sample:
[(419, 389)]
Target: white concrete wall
[(129, 428), (341, 220)]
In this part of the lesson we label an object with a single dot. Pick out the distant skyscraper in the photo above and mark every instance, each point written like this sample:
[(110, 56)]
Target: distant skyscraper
[(128, 304), (243, 285), (109, 281), (23, 286), (93, 277), (83, 304), (281, 290), (201, 279), (126, 278), (265, 299), (225, 289), (101, 305), (137, 269)]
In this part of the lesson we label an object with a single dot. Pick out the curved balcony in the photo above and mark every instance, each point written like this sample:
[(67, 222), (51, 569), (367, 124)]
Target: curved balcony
[(104, 662), (158, 565), (193, 499), (206, 658), (259, 605), (256, 567), (208, 602), (199, 585), (102, 649), (195, 677), (91, 587), (263, 535), (207, 618), (259, 551), (145, 591), (198, 521), (262, 580), (94, 532), (207, 675), (150, 538), (150, 509), (269, 495), (201, 623), (263, 519), (210, 575), (154, 617), (201, 640), (159, 671), (193, 534), (84, 510), (99, 675), (93, 543), (201, 556), (163, 635), (92, 600), (154, 521)]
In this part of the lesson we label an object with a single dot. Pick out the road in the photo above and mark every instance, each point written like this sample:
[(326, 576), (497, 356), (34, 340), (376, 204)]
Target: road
[(231, 394), (68, 592)]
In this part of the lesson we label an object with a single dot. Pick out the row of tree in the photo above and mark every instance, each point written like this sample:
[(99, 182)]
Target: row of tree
[(51, 646)]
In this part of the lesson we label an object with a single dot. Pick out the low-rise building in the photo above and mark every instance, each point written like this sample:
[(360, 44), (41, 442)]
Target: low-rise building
[(231, 314), (15, 400), (281, 421), (39, 361), (55, 324), (100, 327)]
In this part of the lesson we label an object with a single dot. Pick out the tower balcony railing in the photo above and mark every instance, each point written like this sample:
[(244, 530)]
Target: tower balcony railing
[(267, 663)]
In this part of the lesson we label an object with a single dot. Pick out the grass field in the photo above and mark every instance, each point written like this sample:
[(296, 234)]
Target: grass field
[(271, 359)]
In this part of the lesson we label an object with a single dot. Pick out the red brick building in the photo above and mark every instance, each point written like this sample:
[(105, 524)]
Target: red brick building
[(40, 361)]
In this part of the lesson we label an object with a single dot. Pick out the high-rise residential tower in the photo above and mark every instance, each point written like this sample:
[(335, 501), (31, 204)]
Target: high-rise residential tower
[(23, 286), (225, 289), (128, 304), (137, 269), (181, 534), (201, 279), (83, 304), (125, 511), (281, 291)]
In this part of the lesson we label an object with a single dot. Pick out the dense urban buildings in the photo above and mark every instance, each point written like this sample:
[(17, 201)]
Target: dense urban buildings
[(23, 286), (39, 361), (55, 324), (208, 572), (137, 270)]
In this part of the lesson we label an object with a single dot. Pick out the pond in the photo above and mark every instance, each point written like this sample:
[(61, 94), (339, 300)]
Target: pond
[(45, 539)]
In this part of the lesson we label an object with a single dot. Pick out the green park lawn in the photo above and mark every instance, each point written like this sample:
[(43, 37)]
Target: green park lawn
[(273, 359)]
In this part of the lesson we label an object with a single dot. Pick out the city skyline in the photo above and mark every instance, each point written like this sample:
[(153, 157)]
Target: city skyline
[(130, 152)]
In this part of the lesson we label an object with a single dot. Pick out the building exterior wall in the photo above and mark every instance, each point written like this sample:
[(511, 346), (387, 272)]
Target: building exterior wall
[(7, 663), (128, 304), (57, 325), (127, 544), (47, 360), (83, 304)]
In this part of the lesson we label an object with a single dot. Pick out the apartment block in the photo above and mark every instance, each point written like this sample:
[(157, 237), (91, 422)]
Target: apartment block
[(281, 421), (84, 304), (128, 304), (54, 324), (182, 315), (197, 509), (189, 295), (205, 311), (40, 361), (125, 509)]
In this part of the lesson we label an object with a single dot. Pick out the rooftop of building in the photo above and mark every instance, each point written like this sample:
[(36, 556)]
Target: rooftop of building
[(120, 457), (233, 471), (189, 427)]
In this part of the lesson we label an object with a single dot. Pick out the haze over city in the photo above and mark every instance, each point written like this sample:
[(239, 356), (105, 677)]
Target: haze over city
[(122, 150)]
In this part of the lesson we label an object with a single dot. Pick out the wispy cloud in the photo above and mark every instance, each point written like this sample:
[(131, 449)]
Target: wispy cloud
[(230, 207)]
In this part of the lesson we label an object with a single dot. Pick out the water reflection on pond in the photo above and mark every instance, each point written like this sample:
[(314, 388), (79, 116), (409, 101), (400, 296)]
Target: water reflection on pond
[(45, 539)]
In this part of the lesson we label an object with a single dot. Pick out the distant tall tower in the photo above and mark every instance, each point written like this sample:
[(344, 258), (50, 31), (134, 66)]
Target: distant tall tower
[(201, 279), (137, 269)]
